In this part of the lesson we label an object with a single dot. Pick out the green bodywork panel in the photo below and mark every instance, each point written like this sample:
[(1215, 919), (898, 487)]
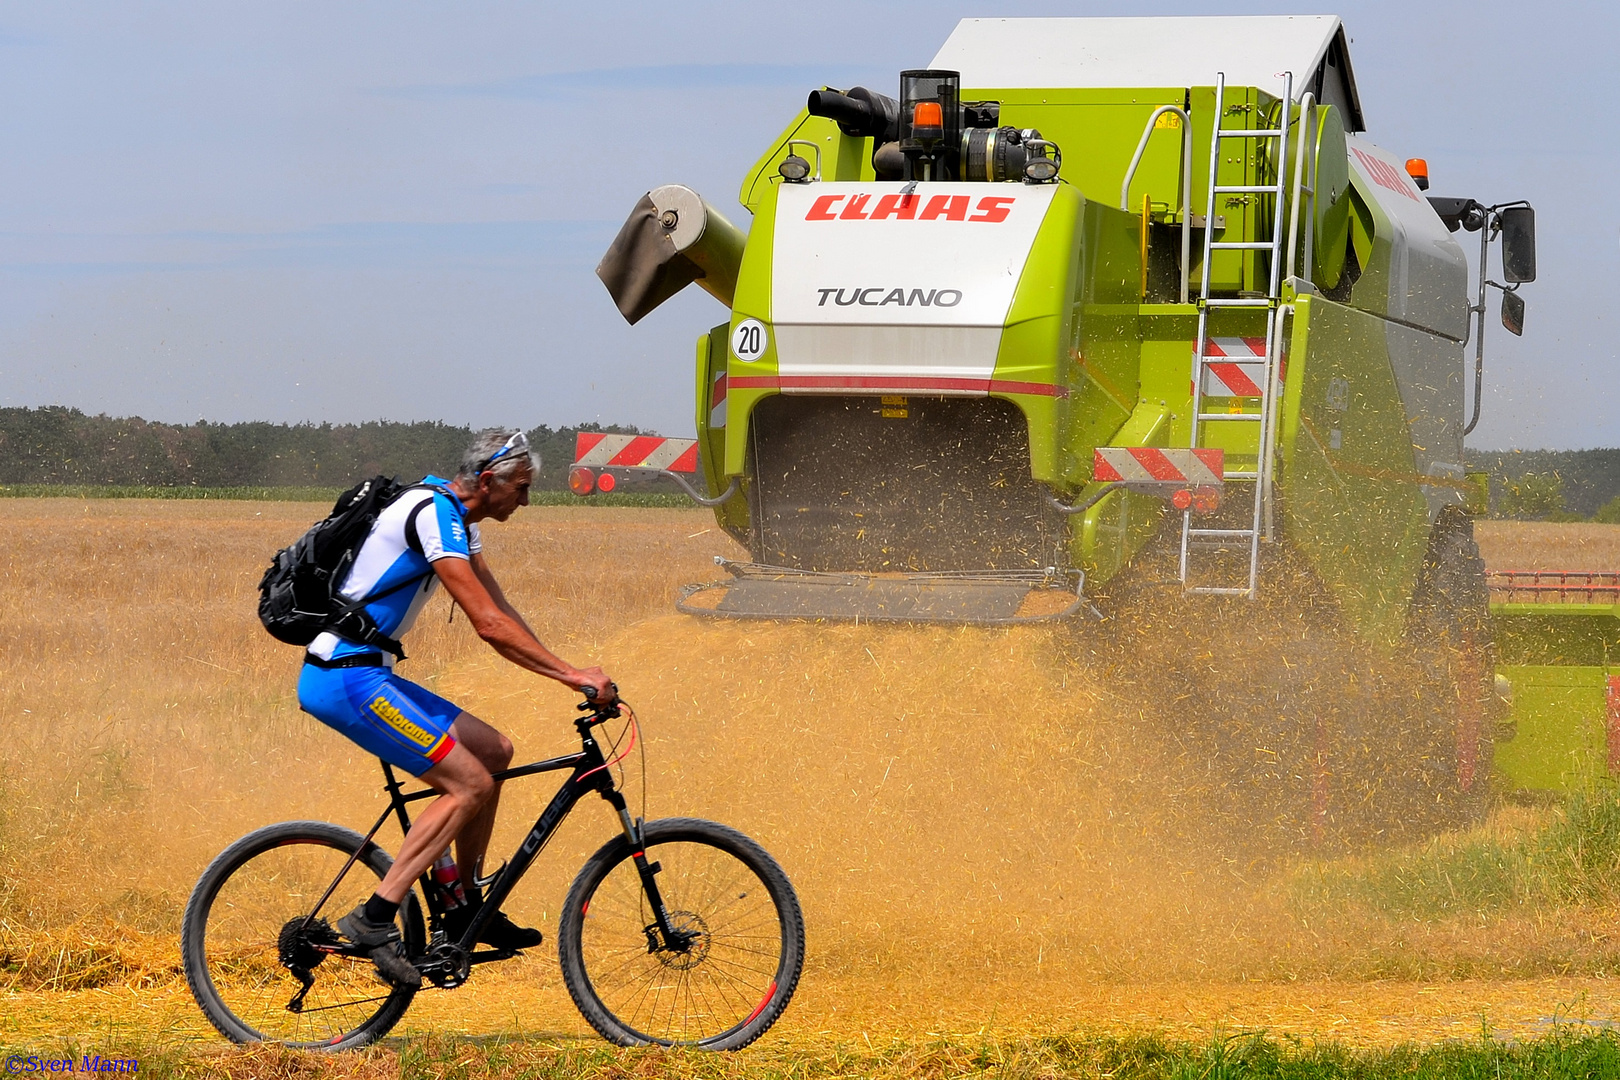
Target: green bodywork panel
[(1562, 660), (712, 347), (1353, 499), (753, 301), (843, 157)]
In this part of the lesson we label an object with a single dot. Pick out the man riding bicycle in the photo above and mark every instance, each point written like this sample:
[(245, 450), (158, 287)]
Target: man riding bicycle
[(427, 535)]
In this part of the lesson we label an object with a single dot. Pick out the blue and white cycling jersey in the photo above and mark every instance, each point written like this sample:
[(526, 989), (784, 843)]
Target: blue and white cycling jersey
[(411, 534)]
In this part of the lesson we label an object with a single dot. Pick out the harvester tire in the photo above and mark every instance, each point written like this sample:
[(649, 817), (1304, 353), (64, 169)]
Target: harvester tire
[(1454, 649)]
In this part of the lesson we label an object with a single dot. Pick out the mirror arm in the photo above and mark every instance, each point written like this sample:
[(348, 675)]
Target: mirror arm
[(1478, 311), (1488, 231)]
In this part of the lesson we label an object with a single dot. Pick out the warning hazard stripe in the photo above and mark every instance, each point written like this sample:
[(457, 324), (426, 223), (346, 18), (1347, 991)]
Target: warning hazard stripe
[(1242, 371), (635, 452), (921, 385), (717, 401), (1145, 464)]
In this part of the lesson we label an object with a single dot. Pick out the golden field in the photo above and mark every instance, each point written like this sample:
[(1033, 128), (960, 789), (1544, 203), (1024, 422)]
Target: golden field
[(985, 826)]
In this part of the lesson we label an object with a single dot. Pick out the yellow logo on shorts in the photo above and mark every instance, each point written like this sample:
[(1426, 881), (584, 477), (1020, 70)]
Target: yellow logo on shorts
[(395, 719)]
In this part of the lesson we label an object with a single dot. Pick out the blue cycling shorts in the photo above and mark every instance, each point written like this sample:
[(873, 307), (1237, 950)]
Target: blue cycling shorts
[(393, 718)]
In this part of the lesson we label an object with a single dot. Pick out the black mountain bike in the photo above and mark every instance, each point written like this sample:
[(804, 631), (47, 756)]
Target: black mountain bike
[(677, 932)]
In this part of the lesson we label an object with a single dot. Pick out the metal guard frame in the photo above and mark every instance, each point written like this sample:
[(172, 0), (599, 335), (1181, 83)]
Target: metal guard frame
[(1050, 577)]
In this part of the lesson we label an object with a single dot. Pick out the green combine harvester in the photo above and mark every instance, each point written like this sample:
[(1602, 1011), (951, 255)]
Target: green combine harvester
[(1085, 290)]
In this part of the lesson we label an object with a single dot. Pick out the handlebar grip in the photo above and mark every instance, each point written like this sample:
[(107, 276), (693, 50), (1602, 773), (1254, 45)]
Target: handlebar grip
[(590, 691)]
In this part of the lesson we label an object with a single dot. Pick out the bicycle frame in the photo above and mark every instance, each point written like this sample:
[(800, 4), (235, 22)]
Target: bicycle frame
[(591, 772)]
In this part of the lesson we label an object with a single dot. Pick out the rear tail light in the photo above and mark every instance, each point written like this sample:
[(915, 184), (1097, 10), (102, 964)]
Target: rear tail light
[(581, 481), (605, 482)]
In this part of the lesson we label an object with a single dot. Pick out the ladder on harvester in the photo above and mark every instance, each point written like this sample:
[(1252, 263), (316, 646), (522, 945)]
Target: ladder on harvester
[(1207, 355)]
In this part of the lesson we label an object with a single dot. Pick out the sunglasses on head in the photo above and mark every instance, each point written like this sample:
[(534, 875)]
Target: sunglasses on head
[(517, 444)]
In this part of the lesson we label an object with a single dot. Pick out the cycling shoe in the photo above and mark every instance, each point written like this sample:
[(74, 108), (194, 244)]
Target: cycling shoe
[(380, 941), (500, 932)]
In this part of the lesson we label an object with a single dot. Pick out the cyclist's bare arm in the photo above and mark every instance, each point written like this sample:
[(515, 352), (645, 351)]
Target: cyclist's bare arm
[(508, 635), (487, 576)]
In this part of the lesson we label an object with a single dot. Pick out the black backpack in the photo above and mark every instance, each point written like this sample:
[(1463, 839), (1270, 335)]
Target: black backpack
[(298, 597)]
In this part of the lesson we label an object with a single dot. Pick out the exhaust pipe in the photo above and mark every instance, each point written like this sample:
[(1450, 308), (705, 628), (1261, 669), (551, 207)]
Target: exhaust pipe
[(671, 239)]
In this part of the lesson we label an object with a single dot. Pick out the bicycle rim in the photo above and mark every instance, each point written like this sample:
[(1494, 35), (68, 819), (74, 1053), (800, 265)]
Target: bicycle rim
[(741, 969), (266, 882)]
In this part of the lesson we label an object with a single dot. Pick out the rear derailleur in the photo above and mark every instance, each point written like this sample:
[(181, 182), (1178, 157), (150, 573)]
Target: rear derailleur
[(301, 946)]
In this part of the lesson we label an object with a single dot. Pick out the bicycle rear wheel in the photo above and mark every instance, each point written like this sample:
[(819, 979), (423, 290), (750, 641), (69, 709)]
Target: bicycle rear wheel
[(740, 969), (247, 926)]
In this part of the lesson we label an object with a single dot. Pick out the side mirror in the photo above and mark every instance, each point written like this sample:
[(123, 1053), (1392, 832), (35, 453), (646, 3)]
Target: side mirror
[(1513, 313), (1518, 226)]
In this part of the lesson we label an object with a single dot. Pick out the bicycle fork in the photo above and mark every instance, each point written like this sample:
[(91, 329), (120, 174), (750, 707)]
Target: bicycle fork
[(661, 934)]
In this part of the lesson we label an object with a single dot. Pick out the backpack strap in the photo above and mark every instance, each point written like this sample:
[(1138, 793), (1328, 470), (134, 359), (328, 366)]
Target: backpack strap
[(413, 539), (352, 621)]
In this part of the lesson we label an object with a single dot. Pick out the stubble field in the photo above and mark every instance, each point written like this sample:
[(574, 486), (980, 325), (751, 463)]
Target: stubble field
[(992, 839)]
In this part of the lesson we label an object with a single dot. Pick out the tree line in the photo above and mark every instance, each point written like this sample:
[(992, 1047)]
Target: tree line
[(1552, 485), (56, 445)]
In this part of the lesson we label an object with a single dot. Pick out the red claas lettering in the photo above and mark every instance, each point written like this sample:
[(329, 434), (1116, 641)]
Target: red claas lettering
[(903, 207), (949, 207), (994, 208), (821, 209)]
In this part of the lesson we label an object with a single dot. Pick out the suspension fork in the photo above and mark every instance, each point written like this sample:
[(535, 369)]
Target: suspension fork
[(647, 871)]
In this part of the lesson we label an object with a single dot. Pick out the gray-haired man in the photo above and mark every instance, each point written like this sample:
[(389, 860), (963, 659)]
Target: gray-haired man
[(428, 535)]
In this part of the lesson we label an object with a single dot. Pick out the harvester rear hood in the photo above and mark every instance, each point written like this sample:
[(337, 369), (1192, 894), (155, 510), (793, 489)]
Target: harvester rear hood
[(909, 285)]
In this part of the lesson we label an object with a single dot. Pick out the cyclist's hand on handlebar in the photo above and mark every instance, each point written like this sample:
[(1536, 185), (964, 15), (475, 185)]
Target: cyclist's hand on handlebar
[(595, 685)]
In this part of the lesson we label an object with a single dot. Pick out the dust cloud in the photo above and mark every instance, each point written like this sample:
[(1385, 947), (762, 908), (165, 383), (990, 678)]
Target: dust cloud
[(1118, 801)]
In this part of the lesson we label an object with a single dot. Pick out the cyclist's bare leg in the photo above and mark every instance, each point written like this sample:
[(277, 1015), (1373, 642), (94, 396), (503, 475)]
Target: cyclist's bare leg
[(466, 788), (494, 751)]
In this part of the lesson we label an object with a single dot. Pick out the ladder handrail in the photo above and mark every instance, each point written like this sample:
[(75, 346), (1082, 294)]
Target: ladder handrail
[(1310, 130), (1267, 450), (1185, 198), (1309, 120)]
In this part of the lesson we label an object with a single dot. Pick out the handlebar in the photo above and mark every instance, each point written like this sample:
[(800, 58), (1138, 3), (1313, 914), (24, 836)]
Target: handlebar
[(601, 712)]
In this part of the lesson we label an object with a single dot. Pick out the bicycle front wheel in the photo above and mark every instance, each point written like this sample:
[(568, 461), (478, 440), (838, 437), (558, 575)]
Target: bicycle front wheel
[(731, 978), (256, 921)]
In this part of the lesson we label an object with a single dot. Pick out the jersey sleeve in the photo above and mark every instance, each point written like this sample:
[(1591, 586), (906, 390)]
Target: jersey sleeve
[(475, 542), (442, 533)]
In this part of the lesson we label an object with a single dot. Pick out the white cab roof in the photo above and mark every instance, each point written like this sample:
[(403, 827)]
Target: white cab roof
[(1253, 50)]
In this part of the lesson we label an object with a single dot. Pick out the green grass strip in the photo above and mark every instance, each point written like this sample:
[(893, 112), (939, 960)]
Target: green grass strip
[(1571, 859), (1567, 1052), (308, 494)]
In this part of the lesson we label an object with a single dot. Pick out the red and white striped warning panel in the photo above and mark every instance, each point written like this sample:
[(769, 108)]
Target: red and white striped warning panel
[(1235, 367), (1151, 465), (717, 401), (635, 452)]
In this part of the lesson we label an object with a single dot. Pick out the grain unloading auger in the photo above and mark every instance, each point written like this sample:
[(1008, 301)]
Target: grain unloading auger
[(1073, 253)]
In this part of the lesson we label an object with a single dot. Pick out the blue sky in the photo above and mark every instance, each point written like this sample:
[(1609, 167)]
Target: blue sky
[(316, 211)]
